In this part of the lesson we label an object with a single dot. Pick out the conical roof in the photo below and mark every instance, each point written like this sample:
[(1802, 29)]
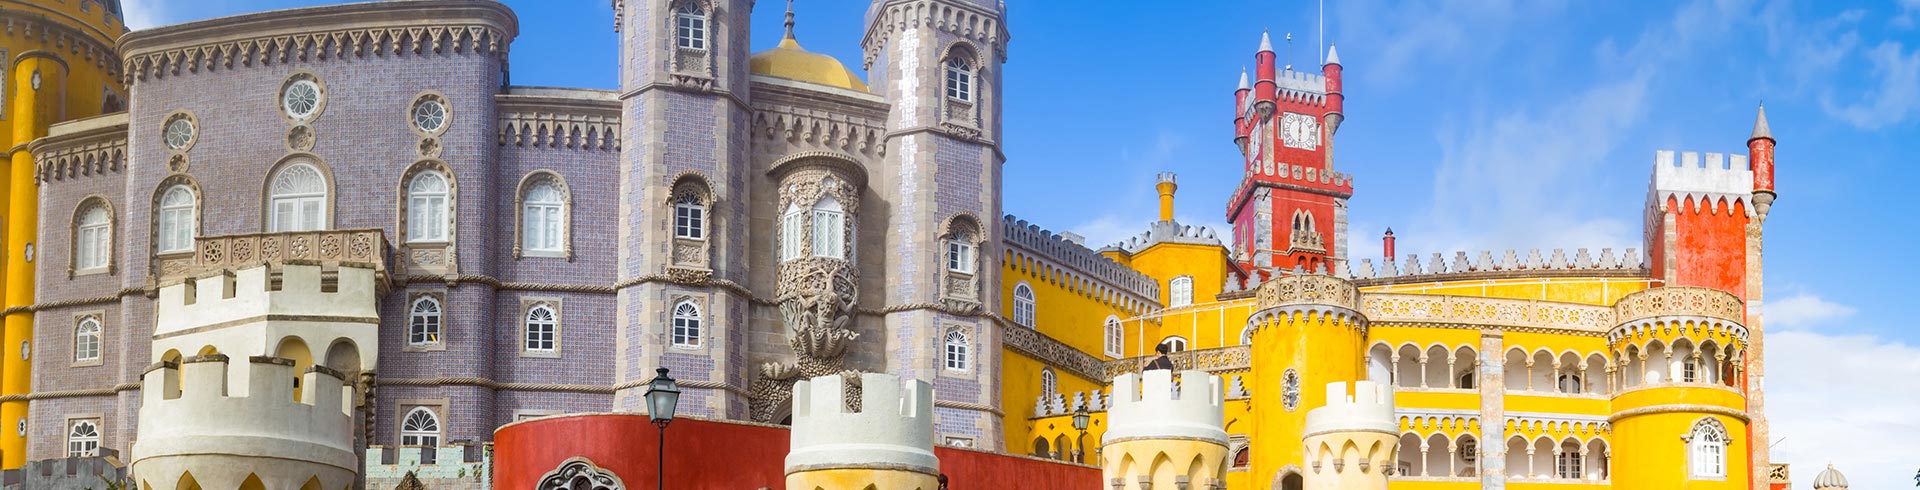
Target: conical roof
[(1831, 479), (1760, 129), (1333, 55)]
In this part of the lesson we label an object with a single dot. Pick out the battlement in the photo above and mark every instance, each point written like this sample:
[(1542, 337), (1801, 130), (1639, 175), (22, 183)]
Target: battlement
[(1437, 265), (252, 407), (893, 429), (1164, 177), (1150, 405), (1369, 409), (293, 289), (1168, 232), (1300, 85), (1692, 180), (1067, 253), (461, 466)]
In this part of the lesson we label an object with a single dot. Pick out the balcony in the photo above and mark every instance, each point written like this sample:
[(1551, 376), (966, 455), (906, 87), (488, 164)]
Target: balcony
[(327, 248)]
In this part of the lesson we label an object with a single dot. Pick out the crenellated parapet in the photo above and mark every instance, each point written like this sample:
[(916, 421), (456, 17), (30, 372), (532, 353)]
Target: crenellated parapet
[(261, 292), (1069, 258), (1509, 264), (1152, 419), (1706, 186), (1307, 297), (1160, 232), (1368, 409), (887, 442), (1352, 441), (257, 417)]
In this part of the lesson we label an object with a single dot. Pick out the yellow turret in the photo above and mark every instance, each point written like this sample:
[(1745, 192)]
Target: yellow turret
[(1163, 435), (1166, 186)]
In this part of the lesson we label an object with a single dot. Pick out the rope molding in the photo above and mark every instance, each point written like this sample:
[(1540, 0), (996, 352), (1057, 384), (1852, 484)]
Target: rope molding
[(47, 395), (977, 407), (568, 388), (1679, 408)]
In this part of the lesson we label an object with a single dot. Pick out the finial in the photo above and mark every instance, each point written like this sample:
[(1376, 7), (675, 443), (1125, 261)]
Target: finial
[(789, 22)]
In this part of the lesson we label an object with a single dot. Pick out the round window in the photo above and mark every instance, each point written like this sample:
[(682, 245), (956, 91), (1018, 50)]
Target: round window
[(430, 115), (301, 99), (179, 133)]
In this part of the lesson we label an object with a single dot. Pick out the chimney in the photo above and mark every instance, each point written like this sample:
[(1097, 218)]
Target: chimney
[(1387, 244), (1166, 187)]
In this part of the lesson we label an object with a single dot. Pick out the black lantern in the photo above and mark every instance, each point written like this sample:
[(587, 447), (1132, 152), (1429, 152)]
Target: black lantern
[(1080, 419), (663, 397)]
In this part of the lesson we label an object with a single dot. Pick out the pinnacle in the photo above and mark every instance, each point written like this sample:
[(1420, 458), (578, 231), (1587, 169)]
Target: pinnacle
[(1243, 78), (1760, 129), (1266, 43), (1333, 56)]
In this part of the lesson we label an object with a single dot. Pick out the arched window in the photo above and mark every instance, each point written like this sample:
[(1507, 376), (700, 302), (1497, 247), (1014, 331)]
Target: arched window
[(690, 26), (960, 252), (83, 438), (177, 219), (1023, 305), (1180, 291), (420, 428), (423, 325), (1571, 383), (541, 326), (1243, 457), (1465, 380), (959, 79), (689, 218), (1049, 382), (543, 218), (829, 229), (958, 351), (792, 228), (298, 199), (1568, 460), (686, 325), (1116, 337), (86, 341), (1707, 449), (1174, 344), (427, 207), (93, 238)]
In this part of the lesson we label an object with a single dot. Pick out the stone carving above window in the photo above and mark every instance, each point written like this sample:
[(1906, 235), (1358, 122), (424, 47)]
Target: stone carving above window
[(580, 474)]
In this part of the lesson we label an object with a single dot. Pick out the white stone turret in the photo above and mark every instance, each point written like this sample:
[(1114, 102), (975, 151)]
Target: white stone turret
[(888, 443), (1152, 418), (1353, 440)]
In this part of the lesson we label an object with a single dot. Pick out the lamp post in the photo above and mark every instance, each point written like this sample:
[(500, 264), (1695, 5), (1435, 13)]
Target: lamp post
[(1080, 420), (663, 397)]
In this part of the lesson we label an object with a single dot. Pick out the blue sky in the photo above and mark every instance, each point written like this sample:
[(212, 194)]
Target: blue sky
[(1482, 124)]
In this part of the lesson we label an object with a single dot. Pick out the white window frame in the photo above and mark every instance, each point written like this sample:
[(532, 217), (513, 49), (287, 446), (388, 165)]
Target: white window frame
[(688, 323), (543, 222), (178, 219), (960, 80), (690, 219), (427, 208), (412, 434), (1049, 382), (541, 335), (1707, 451), (1180, 292), (959, 352), (83, 443), (424, 324), (961, 253), (792, 229), (690, 27), (1567, 465), (1024, 305), (1116, 337), (298, 202), (829, 229), (94, 239), (1174, 343), (86, 340)]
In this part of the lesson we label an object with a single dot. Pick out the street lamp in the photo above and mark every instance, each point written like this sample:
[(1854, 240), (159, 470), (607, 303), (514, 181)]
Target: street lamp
[(663, 396), (1080, 419)]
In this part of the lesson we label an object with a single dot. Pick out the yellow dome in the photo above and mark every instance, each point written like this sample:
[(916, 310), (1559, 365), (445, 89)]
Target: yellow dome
[(790, 61)]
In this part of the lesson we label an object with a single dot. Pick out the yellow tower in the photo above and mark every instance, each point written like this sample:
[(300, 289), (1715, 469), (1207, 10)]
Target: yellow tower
[(1353, 440), (887, 444), (1306, 331), (61, 65), (1679, 418), (1165, 435)]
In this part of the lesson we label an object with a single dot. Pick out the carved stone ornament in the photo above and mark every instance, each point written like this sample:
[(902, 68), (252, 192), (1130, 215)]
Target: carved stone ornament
[(580, 474), (300, 138), (429, 147), (816, 297), (177, 163)]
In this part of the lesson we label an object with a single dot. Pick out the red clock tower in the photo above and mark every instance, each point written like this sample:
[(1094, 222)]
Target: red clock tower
[(1291, 207)]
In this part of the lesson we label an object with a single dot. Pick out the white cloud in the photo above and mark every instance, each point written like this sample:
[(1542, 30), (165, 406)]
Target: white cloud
[(1804, 310), (1107, 229), (144, 14), (1895, 96), (1848, 400)]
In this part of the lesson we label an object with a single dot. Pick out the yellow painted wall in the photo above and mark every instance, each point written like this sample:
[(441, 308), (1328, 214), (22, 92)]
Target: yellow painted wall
[(1020, 382)]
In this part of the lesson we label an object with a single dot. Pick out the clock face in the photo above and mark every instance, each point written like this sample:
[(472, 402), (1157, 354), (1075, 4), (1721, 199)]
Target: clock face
[(1300, 131)]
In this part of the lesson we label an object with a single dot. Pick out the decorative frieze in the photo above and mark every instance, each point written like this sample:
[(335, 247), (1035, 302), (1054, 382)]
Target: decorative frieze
[(574, 130), (1679, 301), (430, 28), (960, 20), (1219, 361), (1485, 312), (1307, 289), (1034, 344), (361, 246)]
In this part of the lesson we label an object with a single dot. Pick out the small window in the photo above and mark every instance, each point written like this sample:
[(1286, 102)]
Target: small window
[(690, 219), (177, 216), (1181, 291), (1707, 448), (94, 239), (1174, 344), (1049, 382), (686, 325), (429, 114), (541, 325), (792, 229), (420, 428), (543, 218), (423, 326), (86, 341), (959, 80), (427, 208), (1690, 371), (298, 199), (1567, 462), (83, 438), (1466, 379), (1570, 383), (1023, 305), (960, 253), (179, 133), (301, 99), (958, 351), (829, 229), (1470, 452), (690, 26), (1116, 337)]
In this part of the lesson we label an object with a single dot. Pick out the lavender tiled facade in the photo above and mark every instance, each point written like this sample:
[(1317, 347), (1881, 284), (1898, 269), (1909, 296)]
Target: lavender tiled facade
[(746, 145)]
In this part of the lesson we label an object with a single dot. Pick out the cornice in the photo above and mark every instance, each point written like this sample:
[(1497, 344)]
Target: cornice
[(95, 47), (352, 30), (94, 146)]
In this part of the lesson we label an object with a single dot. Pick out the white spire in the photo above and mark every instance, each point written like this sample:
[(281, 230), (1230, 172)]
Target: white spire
[(1760, 129), (1333, 55), (1243, 78), (1266, 43)]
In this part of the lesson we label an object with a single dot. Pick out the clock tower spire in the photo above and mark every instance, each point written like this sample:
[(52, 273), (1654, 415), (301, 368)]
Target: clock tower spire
[(1290, 208)]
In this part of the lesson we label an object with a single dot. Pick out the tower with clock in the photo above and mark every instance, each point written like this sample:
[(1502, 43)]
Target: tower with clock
[(1290, 209)]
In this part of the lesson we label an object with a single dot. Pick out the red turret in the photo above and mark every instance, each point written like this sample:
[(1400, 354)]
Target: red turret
[(1387, 244), (1760, 151), (1263, 87), (1240, 126), (1336, 101)]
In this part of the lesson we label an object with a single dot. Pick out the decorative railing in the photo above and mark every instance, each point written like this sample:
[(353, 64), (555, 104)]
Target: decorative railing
[(1041, 347), (1219, 361), (1679, 301), (1307, 289), (331, 247), (1463, 310)]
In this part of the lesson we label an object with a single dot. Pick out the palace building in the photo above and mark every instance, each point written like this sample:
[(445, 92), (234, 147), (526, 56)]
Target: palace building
[(334, 247)]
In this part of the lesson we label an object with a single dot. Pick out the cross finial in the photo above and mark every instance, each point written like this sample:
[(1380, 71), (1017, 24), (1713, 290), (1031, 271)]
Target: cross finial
[(789, 22)]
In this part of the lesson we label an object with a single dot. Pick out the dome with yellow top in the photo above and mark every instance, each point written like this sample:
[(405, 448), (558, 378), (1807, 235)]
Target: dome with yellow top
[(792, 62)]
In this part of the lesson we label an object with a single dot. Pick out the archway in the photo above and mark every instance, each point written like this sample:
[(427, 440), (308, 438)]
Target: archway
[(295, 349)]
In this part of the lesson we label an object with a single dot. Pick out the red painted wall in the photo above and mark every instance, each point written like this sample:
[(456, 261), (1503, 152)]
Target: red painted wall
[(1710, 246), (719, 455)]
